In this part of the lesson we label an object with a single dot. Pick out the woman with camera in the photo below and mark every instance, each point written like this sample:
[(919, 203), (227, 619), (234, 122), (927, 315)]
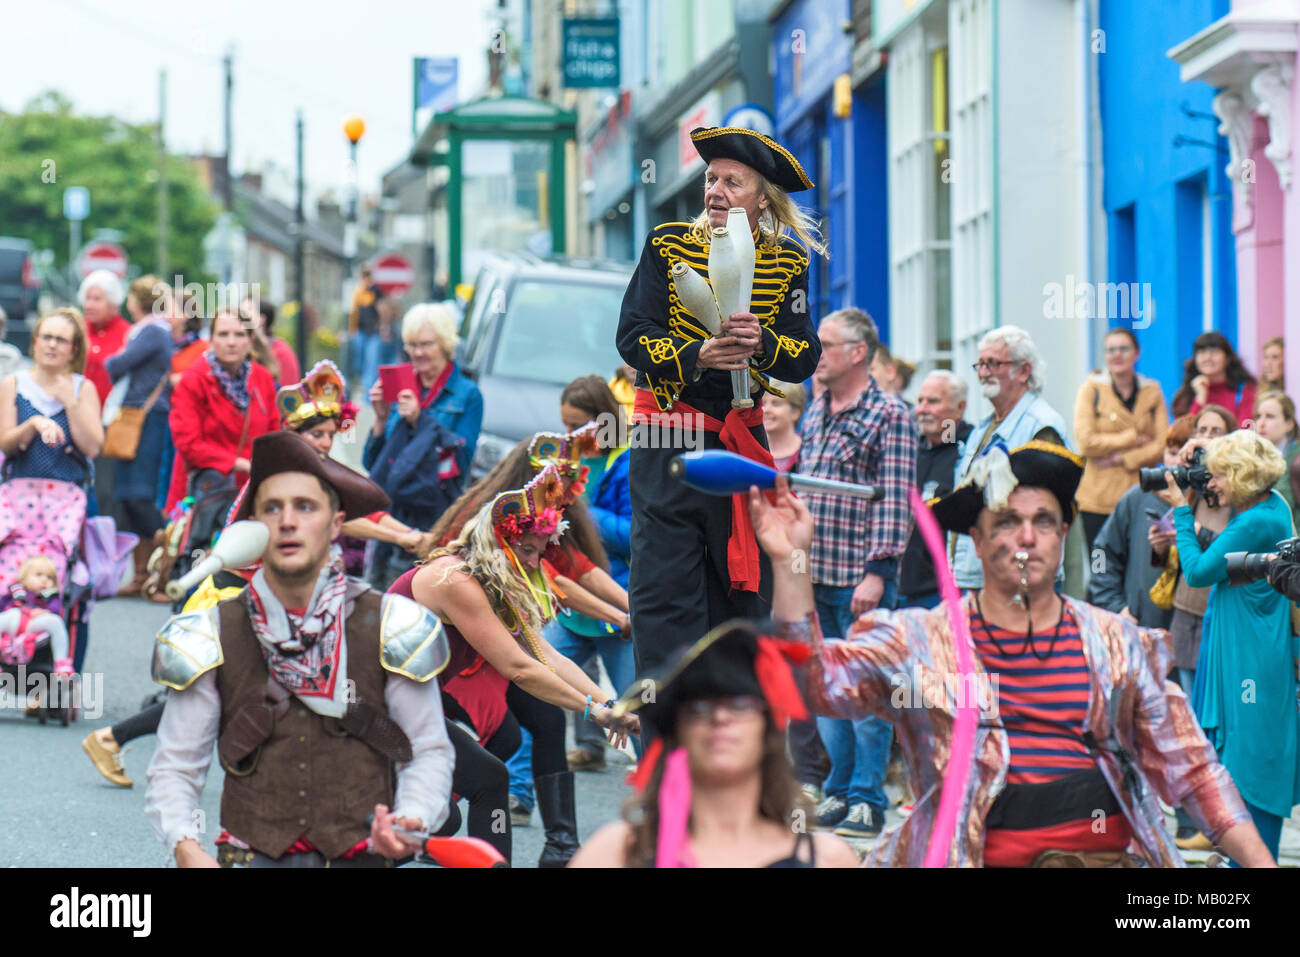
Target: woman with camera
[(1245, 693)]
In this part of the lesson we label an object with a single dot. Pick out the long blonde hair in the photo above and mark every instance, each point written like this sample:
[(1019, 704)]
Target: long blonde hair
[(781, 216), (480, 557)]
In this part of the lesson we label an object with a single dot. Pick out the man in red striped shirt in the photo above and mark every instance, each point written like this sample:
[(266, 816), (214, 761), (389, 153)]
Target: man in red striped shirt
[(1085, 733)]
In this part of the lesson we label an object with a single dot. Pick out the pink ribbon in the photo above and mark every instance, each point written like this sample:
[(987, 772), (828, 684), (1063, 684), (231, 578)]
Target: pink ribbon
[(965, 719)]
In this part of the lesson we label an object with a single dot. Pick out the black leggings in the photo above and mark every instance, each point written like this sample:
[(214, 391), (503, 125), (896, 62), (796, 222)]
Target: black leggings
[(480, 776), (139, 724), (545, 722)]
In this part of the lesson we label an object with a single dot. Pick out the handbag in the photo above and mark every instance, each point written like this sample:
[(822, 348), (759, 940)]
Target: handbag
[(1162, 592), (122, 437)]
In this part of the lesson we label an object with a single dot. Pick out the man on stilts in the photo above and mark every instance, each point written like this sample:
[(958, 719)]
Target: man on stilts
[(695, 562)]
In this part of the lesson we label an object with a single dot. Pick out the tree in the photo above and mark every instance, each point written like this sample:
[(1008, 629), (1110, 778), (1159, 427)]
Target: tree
[(47, 148)]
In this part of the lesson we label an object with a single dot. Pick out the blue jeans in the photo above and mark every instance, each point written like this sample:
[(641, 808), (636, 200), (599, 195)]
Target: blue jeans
[(365, 353), (922, 599), (619, 663), (859, 750)]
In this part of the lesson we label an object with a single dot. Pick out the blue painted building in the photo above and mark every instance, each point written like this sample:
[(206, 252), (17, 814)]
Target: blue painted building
[(844, 155), (1167, 199)]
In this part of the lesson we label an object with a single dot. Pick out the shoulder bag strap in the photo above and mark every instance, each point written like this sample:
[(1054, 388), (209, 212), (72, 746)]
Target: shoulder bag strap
[(153, 396)]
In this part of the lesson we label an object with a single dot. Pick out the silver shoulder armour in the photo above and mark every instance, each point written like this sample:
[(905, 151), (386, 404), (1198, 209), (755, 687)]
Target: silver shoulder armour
[(412, 641), (186, 647)]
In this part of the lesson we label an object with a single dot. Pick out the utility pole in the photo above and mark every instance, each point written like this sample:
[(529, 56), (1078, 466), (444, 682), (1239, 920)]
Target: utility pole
[(299, 266), (161, 264), (228, 187)]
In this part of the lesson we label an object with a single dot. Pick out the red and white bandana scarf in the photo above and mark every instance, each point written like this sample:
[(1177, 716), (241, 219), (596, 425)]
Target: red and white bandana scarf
[(307, 655)]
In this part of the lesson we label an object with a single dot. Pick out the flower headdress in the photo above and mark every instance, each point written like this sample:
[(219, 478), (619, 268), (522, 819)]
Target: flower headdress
[(535, 509), (566, 453), (320, 395)]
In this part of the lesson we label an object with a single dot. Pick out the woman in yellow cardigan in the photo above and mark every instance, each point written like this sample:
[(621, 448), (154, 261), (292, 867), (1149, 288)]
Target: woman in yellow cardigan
[(1120, 424)]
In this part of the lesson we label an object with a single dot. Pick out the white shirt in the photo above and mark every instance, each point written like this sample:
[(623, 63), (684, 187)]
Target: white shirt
[(188, 733)]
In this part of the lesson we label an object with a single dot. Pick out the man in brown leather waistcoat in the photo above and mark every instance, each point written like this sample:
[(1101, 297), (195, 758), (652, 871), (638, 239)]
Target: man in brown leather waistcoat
[(317, 691)]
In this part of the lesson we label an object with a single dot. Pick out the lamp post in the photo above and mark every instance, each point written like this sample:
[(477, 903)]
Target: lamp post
[(354, 127)]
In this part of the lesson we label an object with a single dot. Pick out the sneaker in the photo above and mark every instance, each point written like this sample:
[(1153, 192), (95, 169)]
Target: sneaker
[(863, 821), (580, 759), (520, 816), (831, 811), (107, 756), (905, 809), (812, 792)]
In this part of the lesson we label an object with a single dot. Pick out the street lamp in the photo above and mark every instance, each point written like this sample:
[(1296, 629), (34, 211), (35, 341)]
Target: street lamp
[(354, 127)]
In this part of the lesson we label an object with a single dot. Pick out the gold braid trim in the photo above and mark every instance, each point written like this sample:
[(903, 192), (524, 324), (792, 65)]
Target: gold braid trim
[(776, 266)]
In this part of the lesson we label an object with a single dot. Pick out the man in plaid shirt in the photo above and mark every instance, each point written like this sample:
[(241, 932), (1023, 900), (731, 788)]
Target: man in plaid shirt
[(855, 432)]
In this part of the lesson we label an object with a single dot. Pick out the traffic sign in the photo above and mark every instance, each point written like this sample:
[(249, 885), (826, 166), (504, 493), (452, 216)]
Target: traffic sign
[(76, 203), (393, 273), (102, 255)]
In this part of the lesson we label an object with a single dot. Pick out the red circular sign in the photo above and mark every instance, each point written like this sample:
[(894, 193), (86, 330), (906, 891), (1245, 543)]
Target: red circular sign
[(103, 255), (393, 273)]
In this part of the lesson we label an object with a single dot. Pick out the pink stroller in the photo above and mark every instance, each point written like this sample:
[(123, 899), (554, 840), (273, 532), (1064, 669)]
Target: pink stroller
[(46, 517)]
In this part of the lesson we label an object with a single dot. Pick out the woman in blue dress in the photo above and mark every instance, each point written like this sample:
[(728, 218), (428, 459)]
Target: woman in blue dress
[(51, 411), (1245, 692)]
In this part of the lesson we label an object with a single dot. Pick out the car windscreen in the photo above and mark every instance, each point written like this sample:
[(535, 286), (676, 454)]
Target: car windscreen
[(557, 331)]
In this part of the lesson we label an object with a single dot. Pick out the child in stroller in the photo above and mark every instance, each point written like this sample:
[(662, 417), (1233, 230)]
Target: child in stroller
[(31, 615)]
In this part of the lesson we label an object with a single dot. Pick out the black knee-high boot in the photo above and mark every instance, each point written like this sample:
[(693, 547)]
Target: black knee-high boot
[(559, 817)]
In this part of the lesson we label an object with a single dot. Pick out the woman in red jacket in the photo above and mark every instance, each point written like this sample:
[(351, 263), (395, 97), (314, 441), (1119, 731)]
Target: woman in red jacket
[(223, 402)]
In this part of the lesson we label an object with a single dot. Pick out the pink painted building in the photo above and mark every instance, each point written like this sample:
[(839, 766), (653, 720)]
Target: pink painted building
[(1250, 56)]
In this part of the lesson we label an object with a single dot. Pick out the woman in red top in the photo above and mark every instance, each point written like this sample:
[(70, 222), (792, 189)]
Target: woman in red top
[(1215, 375), (101, 297), (222, 403)]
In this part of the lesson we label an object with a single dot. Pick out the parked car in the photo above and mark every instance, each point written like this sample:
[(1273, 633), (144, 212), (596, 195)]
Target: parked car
[(18, 288), (532, 327)]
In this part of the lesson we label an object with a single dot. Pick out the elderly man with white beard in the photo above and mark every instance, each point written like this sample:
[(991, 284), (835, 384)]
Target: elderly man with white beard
[(1011, 372)]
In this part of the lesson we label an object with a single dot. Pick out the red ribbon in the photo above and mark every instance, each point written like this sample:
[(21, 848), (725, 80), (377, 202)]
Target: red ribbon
[(742, 546), (772, 668), (640, 778)]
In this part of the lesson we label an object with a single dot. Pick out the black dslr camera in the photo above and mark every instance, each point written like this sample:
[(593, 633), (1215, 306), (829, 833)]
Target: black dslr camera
[(1195, 476), (1247, 567)]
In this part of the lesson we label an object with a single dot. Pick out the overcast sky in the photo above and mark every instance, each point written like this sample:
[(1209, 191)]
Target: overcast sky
[(328, 57)]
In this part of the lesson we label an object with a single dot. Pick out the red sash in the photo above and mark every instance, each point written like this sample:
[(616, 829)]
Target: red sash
[(742, 546)]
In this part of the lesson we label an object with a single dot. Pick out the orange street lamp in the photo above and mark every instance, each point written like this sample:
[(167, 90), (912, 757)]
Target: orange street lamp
[(354, 127)]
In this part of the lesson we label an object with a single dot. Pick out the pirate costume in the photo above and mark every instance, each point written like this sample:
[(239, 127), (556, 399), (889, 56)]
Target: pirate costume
[(1078, 731), (695, 561), (318, 713), (735, 659)]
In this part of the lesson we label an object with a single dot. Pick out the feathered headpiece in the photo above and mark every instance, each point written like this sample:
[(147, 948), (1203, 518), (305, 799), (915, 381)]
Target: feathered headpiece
[(320, 395), (535, 509), (566, 453)]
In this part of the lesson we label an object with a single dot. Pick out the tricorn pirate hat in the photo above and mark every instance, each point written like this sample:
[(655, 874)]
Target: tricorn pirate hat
[(996, 473), (738, 657), (774, 161), (278, 452)]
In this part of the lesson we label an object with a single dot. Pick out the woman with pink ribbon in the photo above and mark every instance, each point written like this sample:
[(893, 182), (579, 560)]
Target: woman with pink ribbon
[(715, 788)]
